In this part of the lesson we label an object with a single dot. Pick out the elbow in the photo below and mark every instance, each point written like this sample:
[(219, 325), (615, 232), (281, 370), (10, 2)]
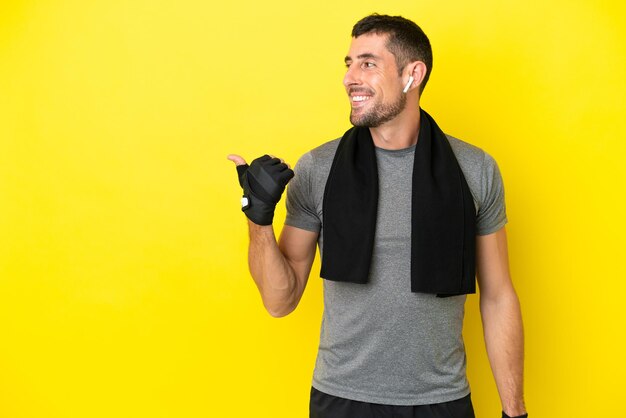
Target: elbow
[(506, 301), (278, 313), (280, 303), (280, 310), (500, 295)]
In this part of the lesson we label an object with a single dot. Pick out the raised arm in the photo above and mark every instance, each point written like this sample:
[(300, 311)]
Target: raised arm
[(279, 271), (502, 321)]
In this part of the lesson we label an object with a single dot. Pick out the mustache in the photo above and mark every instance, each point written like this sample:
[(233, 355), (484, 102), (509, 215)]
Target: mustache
[(358, 90)]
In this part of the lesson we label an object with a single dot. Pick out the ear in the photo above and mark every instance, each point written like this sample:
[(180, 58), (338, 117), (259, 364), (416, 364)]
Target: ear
[(417, 70)]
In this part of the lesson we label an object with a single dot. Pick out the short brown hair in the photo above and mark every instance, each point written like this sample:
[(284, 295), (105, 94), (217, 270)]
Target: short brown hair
[(406, 41)]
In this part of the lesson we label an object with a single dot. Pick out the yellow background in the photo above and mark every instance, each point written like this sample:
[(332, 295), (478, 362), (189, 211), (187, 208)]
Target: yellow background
[(124, 289)]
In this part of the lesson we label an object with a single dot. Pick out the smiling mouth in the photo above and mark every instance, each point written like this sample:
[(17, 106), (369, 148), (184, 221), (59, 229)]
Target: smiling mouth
[(360, 98)]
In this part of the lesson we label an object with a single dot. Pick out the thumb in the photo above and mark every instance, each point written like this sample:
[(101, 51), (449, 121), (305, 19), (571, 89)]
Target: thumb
[(237, 159)]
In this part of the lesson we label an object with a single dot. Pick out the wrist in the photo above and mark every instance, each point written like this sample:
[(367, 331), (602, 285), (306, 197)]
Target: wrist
[(258, 211), (514, 407), (515, 415), (257, 229)]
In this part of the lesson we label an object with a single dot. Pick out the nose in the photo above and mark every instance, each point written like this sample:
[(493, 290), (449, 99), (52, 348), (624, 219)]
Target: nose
[(352, 77)]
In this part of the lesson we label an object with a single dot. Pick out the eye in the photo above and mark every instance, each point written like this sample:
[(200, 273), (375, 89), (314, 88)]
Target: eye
[(369, 64)]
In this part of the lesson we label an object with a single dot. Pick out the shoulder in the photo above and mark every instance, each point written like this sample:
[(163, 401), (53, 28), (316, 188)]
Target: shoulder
[(474, 161), (466, 153), (326, 151), (311, 174), (479, 168), (318, 158)]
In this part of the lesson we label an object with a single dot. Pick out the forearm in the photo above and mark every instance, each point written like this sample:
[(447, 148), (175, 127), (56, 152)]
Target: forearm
[(271, 272), (504, 339)]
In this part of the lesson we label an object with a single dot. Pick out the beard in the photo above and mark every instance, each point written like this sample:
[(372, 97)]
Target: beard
[(379, 113)]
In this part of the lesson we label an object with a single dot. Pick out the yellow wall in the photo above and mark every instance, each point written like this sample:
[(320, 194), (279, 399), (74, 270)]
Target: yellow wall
[(124, 289)]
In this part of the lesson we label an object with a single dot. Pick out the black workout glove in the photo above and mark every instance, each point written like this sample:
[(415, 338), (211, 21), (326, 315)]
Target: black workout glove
[(519, 416), (263, 182)]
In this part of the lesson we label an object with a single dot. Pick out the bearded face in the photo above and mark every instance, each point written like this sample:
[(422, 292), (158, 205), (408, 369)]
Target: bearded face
[(373, 82), (369, 110)]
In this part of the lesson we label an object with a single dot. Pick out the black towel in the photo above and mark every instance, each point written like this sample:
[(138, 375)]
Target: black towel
[(443, 218)]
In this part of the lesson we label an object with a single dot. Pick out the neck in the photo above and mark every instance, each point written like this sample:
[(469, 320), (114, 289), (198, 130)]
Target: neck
[(399, 133)]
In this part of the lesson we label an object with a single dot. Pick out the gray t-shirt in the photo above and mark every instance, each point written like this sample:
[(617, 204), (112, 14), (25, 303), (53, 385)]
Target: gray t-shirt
[(380, 342)]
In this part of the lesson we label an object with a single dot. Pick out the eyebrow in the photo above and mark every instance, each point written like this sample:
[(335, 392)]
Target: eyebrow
[(362, 56)]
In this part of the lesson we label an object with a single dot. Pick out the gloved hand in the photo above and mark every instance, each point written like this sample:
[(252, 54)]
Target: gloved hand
[(504, 415), (263, 183)]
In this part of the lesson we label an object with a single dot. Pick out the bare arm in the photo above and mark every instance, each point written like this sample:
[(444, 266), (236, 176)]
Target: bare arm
[(281, 271), (502, 320)]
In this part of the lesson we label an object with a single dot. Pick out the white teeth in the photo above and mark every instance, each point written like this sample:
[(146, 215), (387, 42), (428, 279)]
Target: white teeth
[(359, 98)]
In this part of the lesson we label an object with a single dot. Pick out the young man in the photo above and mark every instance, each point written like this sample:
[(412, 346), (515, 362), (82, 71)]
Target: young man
[(404, 216)]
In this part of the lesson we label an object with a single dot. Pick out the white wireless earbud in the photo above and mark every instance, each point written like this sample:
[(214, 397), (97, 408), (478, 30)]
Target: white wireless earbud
[(406, 88)]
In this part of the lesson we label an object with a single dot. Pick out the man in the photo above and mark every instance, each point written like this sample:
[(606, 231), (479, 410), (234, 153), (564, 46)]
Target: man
[(404, 216)]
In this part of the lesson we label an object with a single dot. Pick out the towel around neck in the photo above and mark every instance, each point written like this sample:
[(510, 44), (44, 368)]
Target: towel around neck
[(443, 217)]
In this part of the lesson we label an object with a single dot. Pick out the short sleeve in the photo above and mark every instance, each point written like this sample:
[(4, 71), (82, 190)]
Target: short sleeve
[(492, 209), (301, 211)]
